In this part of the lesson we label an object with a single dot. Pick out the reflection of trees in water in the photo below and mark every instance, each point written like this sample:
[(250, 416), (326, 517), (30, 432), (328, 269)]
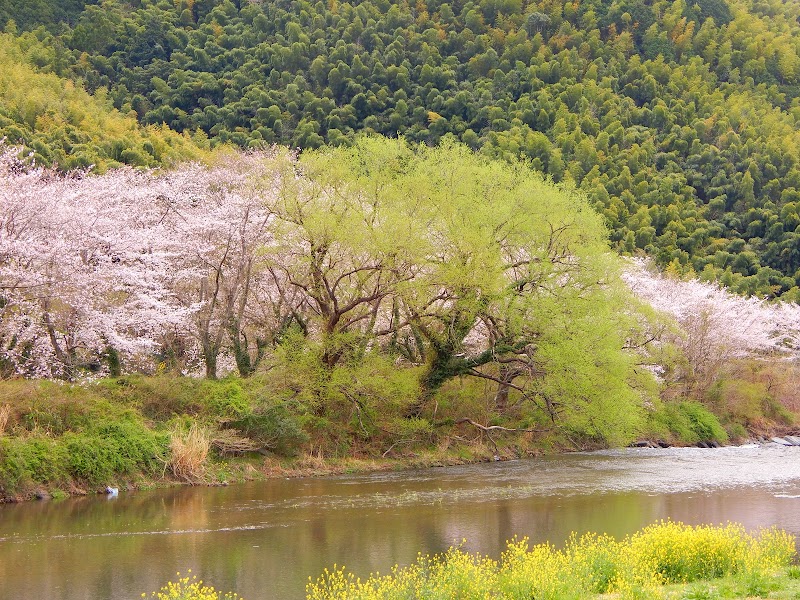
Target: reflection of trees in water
[(303, 526)]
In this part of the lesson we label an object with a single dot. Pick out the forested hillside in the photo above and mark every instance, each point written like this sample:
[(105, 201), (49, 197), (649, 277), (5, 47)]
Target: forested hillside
[(678, 119), (61, 124), (31, 13)]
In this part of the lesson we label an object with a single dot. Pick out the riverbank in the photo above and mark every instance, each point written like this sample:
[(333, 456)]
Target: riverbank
[(136, 432)]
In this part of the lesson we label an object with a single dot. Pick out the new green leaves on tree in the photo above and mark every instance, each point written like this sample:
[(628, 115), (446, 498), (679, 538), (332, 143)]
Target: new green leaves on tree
[(460, 266)]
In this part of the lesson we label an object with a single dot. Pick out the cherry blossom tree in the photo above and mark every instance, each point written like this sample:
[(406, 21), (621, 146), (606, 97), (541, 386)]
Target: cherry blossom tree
[(81, 273), (138, 265), (716, 326), (219, 224)]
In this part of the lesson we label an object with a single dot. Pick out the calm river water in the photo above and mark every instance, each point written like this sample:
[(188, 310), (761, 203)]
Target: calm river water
[(263, 540)]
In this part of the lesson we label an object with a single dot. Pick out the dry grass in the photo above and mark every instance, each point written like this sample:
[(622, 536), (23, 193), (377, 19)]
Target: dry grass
[(312, 460), (228, 442), (5, 415), (189, 453)]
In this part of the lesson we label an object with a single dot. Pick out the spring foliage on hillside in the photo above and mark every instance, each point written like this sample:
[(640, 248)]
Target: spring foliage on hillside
[(336, 266), (677, 118)]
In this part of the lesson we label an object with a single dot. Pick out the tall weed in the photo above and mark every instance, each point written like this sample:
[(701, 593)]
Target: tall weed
[(5, 415), (189, 452)]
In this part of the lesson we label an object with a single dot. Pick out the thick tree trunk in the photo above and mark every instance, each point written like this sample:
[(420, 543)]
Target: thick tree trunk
[(239, 347), (506, 378), (63, 357), (440, 366), (210, 358), (112, 359)]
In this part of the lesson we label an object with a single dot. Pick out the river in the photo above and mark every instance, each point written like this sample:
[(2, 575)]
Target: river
[(264, 539)]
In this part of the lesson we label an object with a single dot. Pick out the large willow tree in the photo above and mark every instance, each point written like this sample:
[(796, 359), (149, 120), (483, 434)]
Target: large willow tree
[(458, 265)]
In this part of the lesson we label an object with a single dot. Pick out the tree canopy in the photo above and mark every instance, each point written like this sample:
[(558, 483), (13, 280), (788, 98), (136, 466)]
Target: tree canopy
[(61, 124), (366, 254), (678, 119)]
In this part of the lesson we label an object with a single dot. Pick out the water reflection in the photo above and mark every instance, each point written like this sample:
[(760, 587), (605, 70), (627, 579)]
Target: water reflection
[(264, 540)]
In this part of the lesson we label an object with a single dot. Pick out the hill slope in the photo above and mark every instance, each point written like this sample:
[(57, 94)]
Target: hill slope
[(61, 123), (678, 119)]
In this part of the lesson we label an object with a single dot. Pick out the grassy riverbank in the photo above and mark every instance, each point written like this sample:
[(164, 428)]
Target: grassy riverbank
[(133, 432)]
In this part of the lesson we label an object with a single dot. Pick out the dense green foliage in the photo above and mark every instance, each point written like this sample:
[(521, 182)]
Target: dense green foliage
[(61, 124), (72, 438), (688, 421), (27, 14), (678, 118), (452, 265)]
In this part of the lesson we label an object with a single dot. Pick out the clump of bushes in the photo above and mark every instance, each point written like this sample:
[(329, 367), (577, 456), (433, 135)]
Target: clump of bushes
[(94, 456), (750, 401), (274, 427), (33, 460), (224, 399), (688, 422), (636, 567), (110, 449)]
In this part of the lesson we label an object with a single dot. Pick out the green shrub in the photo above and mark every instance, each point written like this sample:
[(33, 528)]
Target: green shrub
[(776, 411), (224, 399), (275, 427), (113, 449), (750, 398), (740, 399), (702, 422), (689, 422), (30, 460)]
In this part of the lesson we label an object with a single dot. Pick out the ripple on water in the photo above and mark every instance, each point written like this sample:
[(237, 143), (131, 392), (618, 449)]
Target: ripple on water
[(652, 471)]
